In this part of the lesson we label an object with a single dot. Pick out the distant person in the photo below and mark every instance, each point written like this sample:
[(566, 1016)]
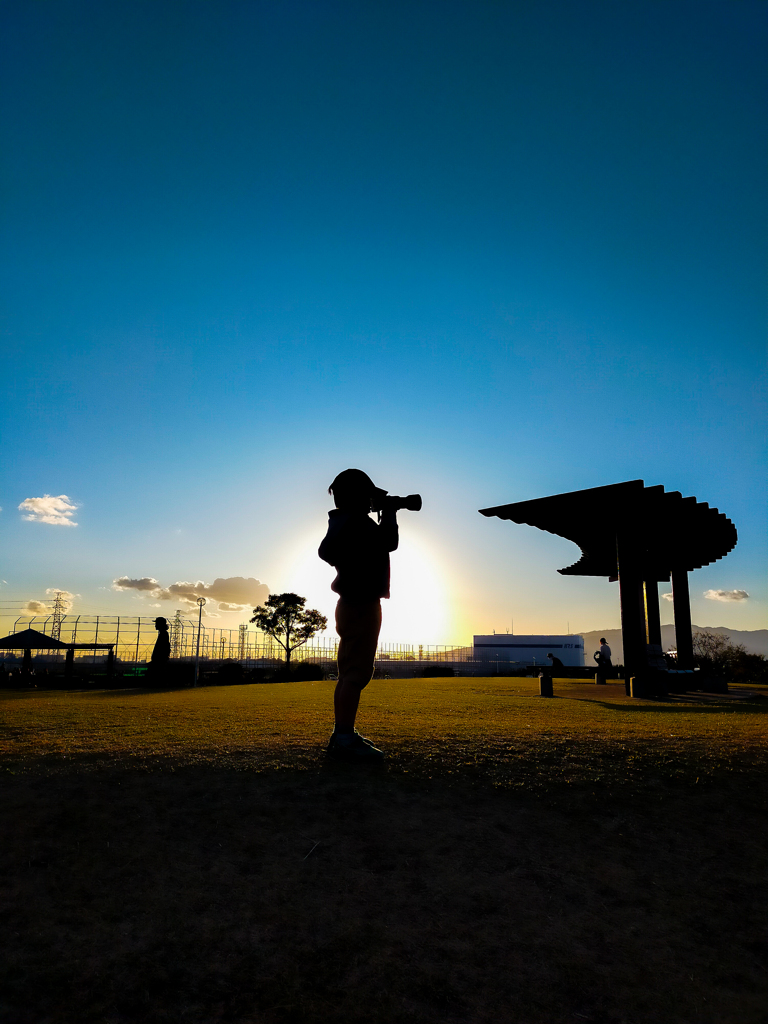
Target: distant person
[(358, 548), (556, 663), (161, 653), (603, 659), (605, 652)]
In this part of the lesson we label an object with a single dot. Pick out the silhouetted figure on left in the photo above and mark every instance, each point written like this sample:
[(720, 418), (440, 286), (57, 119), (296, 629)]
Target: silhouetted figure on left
[(556, 663), (161, 653)]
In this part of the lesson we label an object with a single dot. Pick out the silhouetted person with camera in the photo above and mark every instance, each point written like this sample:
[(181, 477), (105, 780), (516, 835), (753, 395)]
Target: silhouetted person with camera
[(358, 548), (161, 653), (603, 660), (556, 663)]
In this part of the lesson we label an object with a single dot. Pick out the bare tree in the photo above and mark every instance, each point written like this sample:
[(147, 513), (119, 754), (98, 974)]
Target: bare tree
[(285, 619), (716, 654), (714, 648)]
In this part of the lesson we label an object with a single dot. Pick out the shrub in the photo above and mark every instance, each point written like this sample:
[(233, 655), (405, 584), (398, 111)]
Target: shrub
[(230, 673), (307, 671)]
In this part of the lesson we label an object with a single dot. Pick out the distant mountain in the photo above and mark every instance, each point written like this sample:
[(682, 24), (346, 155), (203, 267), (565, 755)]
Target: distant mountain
[(755, 641)]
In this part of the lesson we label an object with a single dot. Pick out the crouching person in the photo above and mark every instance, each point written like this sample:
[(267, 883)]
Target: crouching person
[(358, 548)]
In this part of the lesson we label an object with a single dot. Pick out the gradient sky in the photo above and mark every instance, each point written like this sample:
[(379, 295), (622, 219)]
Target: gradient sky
[(486, 251)]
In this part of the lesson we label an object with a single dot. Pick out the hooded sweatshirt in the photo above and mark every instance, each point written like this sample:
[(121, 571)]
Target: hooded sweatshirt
[(358, 548)]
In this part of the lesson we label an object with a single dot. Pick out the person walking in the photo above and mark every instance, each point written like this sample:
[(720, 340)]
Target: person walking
[(359, 550)]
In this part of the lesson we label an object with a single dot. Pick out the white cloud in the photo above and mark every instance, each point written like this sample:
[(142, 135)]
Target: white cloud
[(46, 607), (66, 597), (244, 592), (230, 594), (726, 595), (56, 511), (146, 583), (667, 597)]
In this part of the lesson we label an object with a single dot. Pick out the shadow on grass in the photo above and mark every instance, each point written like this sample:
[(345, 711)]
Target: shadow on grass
[(335, 896), (646, 707)]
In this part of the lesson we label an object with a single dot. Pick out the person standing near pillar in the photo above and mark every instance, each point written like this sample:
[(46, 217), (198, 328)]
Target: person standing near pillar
[(603, 659), (605, 652)]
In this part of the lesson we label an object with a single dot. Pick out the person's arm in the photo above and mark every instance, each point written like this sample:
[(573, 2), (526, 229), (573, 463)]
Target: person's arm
[(330, 546), (388, 527)]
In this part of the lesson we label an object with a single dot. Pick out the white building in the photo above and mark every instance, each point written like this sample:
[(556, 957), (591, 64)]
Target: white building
[(530, 650)]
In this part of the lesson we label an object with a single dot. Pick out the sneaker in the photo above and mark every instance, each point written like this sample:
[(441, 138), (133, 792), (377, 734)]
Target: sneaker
[(353, 747), (351, 735), (365, 739)]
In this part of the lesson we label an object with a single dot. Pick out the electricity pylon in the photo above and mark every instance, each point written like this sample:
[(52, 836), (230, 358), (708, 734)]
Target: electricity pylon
[(176, 633), (58, 614)]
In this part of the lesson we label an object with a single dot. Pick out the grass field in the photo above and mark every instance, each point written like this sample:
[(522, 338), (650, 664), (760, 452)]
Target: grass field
[(191, 856)]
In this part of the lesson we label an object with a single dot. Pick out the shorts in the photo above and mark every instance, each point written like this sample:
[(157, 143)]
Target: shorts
[(358, 626)]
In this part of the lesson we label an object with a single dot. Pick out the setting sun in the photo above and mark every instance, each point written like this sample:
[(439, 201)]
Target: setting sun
[(419, 611)]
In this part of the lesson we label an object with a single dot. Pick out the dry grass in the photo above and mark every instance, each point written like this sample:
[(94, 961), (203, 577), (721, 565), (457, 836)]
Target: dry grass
[(496, 729), (191, 857)]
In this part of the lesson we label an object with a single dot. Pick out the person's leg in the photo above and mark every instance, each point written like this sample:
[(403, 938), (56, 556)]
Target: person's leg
[(346, 700), (358, 627)]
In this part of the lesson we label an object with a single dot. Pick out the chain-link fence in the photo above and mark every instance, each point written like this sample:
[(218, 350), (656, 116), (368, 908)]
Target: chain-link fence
[(134, 638)]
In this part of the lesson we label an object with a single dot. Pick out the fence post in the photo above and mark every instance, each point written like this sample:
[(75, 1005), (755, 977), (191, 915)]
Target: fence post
[(138, 634)]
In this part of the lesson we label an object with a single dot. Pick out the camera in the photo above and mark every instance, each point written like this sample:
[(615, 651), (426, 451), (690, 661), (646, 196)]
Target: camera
[(382, 500)]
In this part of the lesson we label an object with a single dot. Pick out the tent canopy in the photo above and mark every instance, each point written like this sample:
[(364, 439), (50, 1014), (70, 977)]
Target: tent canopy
[(34, 640), (31, 640)]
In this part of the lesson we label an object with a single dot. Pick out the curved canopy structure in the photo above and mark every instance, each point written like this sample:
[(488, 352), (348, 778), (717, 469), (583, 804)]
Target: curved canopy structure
[(673, 530), (639, 536)]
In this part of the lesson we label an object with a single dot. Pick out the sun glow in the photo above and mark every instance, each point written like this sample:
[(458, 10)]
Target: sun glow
[(419, 611)]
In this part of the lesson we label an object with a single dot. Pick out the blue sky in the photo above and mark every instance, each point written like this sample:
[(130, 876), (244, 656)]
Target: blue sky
[(485, 251)]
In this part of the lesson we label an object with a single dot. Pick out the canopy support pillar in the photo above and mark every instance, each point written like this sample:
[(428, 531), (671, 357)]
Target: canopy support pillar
[(681, 602), (632, 605), (652, 612)]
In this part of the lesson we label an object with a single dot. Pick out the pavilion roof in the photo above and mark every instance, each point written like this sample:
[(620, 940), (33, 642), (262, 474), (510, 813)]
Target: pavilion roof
[(31, 639), (672, 530), (34, 640)]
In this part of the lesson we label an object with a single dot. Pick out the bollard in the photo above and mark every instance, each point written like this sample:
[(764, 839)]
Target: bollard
[(649, 685), (599, 679), (636, 688), (545, 684)]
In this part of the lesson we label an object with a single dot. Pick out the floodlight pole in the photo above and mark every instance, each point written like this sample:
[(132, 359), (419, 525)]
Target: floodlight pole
[(200, 603)]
